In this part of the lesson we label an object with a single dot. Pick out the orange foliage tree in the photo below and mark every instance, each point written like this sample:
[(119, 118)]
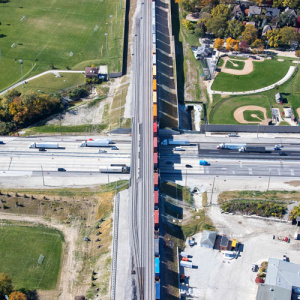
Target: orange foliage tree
[(17, 296), (218, 43)]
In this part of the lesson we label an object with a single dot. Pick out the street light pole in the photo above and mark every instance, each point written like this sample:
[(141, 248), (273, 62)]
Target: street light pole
[(111, 16), (106, 34), (21, 63), (43, 175)]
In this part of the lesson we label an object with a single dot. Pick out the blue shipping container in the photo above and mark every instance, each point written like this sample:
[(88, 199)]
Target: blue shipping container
[(157, 290), (157, 267)]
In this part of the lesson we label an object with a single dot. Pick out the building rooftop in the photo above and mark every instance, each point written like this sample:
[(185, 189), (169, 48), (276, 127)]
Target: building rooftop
[(224, 241), (208, 238), (103, 69), (254, 10), (272, 292)]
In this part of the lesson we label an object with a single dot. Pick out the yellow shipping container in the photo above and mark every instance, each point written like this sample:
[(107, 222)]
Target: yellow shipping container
[(154, 97), (233, 243), (154, 111), (154, 71)]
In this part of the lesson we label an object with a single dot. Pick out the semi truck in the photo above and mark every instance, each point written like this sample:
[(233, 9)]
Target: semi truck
[(231, 146), (253, 149), (44, 145), (96, 143), (124, 170), (175, 142), (204, 163)]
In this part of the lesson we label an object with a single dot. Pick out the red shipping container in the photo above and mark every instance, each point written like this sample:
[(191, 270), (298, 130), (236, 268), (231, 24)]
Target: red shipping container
[(155, 144), (156, 199), (155, 179), (156, 218), (185, 259), (155, 128)]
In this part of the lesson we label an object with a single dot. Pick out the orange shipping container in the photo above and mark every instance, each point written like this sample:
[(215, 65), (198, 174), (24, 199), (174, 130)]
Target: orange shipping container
[(154, 111), (155, 144), (154, 84), (155, 179)]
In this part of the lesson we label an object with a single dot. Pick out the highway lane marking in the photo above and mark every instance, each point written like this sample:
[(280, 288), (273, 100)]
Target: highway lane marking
[(233, 172), (279, 173), (241, 164), (250, 171), (292, 172)]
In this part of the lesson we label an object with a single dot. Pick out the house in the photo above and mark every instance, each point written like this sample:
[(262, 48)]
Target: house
[(203, 51), (91, 72), (224, 242), (254, 11), (272, 12), (282, 281), (290, 12), (278, 98), (208, 239), (237, 11), (266, 28)]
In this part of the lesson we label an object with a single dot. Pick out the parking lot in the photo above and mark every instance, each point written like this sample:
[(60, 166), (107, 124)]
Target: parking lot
[(217, 278)]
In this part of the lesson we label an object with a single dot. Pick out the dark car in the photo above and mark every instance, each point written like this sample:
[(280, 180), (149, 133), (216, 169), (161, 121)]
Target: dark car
[(61, 170), (114, 148), (1, 142), (42, 149), (188, 166), (282, 154), (169, 162)]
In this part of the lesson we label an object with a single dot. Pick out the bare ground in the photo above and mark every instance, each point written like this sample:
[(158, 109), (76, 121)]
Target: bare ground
[(239, 114)]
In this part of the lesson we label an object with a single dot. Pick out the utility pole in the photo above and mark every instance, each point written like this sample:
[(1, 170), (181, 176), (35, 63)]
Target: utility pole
[(106, 34), (212, 190), (43, 175), (185, 177), (111, 16)]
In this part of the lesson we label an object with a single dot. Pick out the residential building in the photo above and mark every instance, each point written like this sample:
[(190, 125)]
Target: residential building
[(272, 12), (208, 239), (254, 11), (91, 72)]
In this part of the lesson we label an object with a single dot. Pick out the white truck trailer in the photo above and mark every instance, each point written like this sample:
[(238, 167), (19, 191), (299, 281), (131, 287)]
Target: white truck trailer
[(44, 145), (120, 169), (96, 143), (175, 142), (231, 146)]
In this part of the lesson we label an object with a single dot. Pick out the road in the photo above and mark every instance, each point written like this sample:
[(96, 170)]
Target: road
[(141, 190)]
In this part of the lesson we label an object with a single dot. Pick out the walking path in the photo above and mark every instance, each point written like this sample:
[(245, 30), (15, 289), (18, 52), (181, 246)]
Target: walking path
[(54, 72), (267, 88)]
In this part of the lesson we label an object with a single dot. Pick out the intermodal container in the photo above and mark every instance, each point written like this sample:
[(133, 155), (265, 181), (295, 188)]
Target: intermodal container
[(154, 71), (157, 271), (154, 58), (153, 29), (156, 219), (154, 97), (155, 129), (154, 85), (157, 291), (156, 199), (153, 48), (155, 144), (155, 161), (155, 180), (233, 244), (185, 259), (156, 247), (154, 112), (186, 264)]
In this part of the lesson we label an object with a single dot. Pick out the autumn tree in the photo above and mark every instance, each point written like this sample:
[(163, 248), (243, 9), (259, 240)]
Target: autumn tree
[(217, 26), (235, 28), (17, 296), (218, 43), (295, 212), (208, 3), (6, 286), (188, 24), (257, 46), (277, 3), (221, 10), (273, 37), (250, 34), (231, 43), (291, 3), (244, 46), (288, 35), (188, 5)]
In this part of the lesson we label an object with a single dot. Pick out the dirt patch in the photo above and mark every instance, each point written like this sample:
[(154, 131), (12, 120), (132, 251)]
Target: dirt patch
[(248, 68), (280, 59), (239, 114), (294, 183), (298, 111)]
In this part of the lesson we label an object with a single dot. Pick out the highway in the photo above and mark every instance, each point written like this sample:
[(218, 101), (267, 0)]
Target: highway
[(141, 189)]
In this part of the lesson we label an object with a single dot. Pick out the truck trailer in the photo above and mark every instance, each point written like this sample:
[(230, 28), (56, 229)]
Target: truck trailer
[(231, 146), (186, 264), (44, 145), (253, 149), (120, 169), (175, 142), (96, 143), (156, 247)]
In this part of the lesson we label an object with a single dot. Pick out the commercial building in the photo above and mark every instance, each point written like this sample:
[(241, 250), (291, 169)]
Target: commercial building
[(208, 239)]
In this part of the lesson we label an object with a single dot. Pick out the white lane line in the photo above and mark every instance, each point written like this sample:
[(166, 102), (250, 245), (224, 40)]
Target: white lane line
[(233, 172), (224, 169), (292, 172), (241, 164), (207, 170), (250, 171), (279, 172)]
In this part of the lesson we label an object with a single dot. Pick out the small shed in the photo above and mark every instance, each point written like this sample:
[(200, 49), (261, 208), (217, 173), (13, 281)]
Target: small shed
[(103, 72), (208, 239), (224, 242), (278, 98), (91, 72)]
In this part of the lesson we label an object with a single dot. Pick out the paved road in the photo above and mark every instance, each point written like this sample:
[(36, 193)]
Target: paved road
[(141, 191)]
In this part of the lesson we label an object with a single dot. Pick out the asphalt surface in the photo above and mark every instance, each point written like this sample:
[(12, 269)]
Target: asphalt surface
[(141, 189)]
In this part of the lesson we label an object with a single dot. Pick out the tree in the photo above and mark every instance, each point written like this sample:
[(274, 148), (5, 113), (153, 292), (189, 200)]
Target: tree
[(188, 24), (257, 46), (221, 10), (235, 28), (291, 3), (6, 286), (273, 37), (199, 32), (250, 34), (188, 5), (230, 44), (17, 296), (286, 19), (295, 212), (277, 3), (288, 35), (218, 43), (244, 46), (217, 26)]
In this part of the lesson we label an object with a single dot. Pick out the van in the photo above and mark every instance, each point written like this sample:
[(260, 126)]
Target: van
[(178, 149), (204, 163)]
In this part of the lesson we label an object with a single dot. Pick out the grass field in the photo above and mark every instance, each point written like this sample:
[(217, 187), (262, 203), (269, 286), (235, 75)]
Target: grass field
[(230, 64), (19, 253), (220, 62), (258, 113), (264, 74), (63, 33), (223, 110), (238, 57)]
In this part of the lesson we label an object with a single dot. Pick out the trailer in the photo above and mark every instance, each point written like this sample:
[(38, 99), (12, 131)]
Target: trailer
[(156, 247), (156, 199), (44, 145), (184, 254), (157, 291), (186, 264), (155, 180), (155, 161), (154, 97), (157, 271), (253, 149), (156, 219), (231, 146), (154, 71), (175, 142), (154, 85), (154, 112), (124, 170), (96, 143)]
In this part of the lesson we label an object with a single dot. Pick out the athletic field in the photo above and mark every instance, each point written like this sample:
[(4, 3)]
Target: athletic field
[(60, 33)]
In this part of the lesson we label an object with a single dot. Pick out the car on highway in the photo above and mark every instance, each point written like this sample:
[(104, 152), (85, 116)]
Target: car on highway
[(1, 142), (277, 148), (114, 148), (188, 166), (169, 162), (42, 149), (102, 151), (178, 149), (232, 135), (61, 170)]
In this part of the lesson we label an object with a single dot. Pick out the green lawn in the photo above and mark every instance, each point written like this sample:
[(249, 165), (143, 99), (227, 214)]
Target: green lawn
[(230, 64), (258, 113), (238, 57), (264, 74), (222, 111), (64, 33), (220, 62), (284, 123), (19, 253)]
